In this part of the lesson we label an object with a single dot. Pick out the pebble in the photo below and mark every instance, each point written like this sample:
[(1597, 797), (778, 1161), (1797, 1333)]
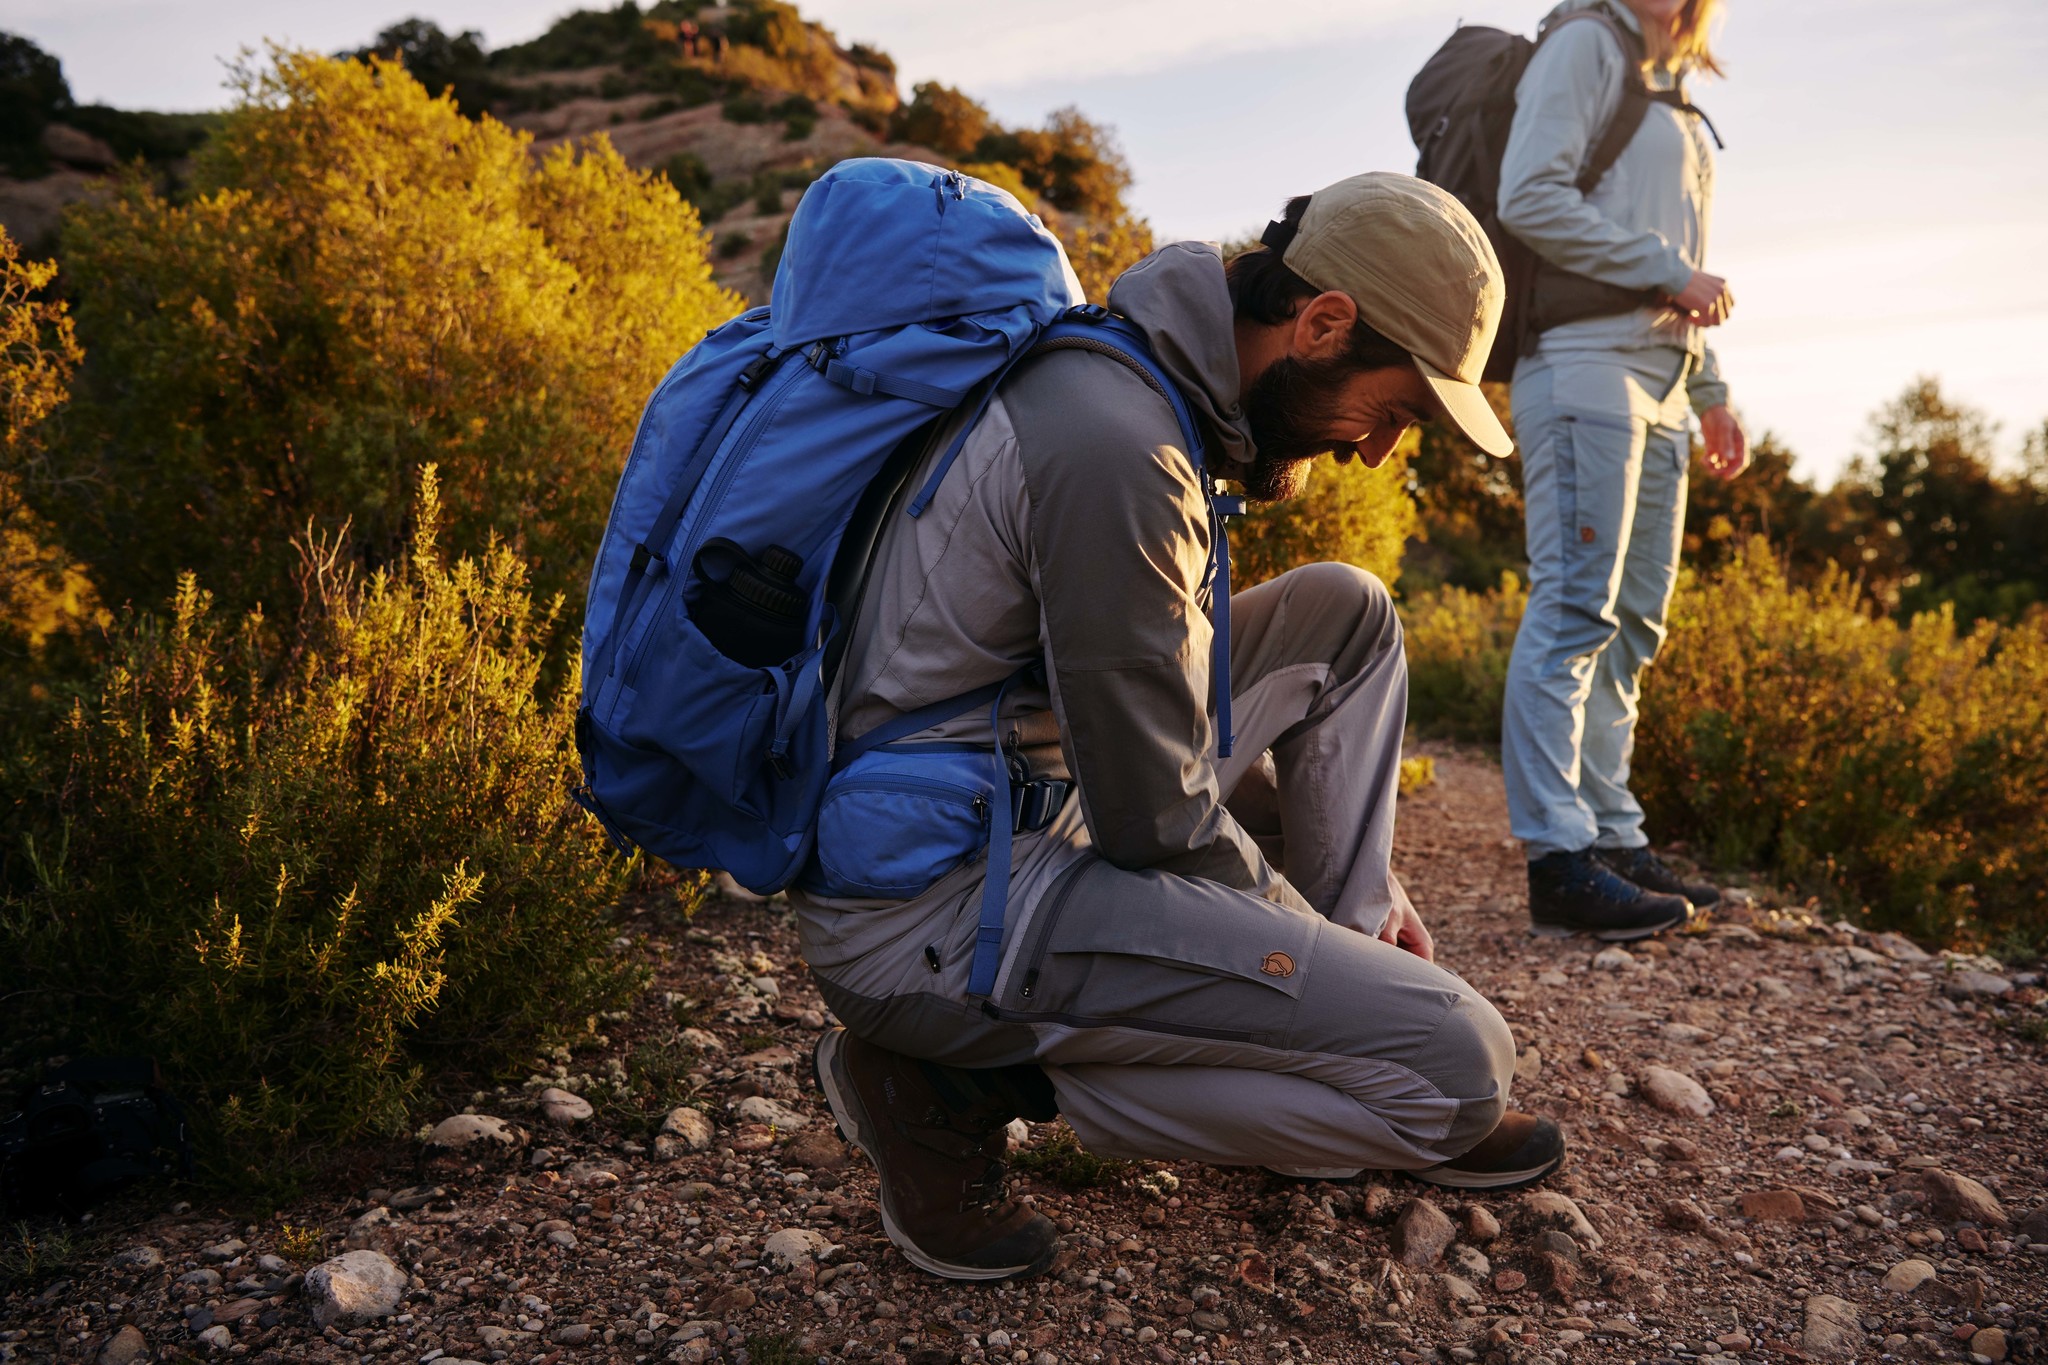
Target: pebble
[(793, 1247), (1549, 1209), (562, 1108), (126, 1347), (1955, 1198), (1612, 960), (139, 1258), (217, 1338), (572, 1334), (774, 1113), (1907, 1276), (1989, 1343), (1471, 1262), (1481, 1226), (689, 1127), (1508, 1281), (1421, 1233), (1772, 1206), (1963, 985), (224, 1251), (1686, 1034), (203, 1279), (1675, 1093), (356, 1286), (1833, 1329), (458, 1131)]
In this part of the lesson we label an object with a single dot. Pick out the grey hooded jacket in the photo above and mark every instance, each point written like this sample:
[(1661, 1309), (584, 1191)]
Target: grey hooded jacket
[(1644, 226), (1071, 529)]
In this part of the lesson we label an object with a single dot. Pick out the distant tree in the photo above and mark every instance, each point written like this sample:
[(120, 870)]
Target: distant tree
[(363, 282), (1073, 162), (456, 63), (940, 117), (39, 587), (1348, 514), (33, 93)]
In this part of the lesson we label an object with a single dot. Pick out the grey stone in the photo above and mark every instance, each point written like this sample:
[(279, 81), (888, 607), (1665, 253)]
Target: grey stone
[(562, 1108), (1963, 985), (774, 1113), (1833, 1329), (139, 1258), (1549, 1209), (224, 1251), (470, 1130), (354, 1287), (1675, 1093), (126, 1347), (1421, 1233), (793, 1247), (689, 1129), (203, 1279)]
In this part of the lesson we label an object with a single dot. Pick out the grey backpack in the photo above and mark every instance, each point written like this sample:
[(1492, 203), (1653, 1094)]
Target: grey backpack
[(1461, 106)]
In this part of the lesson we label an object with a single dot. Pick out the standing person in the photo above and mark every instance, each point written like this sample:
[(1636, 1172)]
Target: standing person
[(1161, 984), (1601, 417)]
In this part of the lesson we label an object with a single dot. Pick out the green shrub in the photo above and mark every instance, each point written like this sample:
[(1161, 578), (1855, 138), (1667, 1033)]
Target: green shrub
[(312, 872), (1459, 643), (363, 281), (1347, 513), (1899, 768)]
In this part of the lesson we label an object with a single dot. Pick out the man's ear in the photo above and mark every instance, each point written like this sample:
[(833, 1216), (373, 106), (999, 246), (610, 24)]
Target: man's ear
[(1322, 329)]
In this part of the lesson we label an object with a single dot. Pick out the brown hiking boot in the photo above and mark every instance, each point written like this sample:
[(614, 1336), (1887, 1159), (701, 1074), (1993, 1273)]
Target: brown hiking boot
[(1521, 1148), (939, 1139)]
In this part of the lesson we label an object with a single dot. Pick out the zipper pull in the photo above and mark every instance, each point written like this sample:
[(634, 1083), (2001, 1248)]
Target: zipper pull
[(931, 958), (1030, 983)]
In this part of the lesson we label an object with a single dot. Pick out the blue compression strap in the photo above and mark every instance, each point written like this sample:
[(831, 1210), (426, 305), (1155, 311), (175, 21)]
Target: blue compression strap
[(995, 882), (866, 382), (1220, 510), (923, 718)]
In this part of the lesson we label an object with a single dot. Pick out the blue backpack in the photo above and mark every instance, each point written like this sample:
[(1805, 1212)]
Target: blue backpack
[(713, 626)]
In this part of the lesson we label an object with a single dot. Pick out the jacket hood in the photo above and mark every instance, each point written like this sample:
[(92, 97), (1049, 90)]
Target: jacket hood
[(1177, 297), (1622, 13)]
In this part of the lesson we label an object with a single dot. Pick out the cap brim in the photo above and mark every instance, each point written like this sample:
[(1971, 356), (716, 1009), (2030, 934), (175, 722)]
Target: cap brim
[(1467, 407)]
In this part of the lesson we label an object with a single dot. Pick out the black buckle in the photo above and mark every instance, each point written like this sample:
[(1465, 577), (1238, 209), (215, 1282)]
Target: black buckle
[(1037, 803)]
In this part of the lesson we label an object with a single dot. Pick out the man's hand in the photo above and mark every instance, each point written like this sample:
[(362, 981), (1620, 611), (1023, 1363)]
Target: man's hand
[(1727, 444), (1705, 301), (1404, 929)]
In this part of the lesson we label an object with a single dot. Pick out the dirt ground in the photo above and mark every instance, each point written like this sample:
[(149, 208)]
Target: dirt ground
[(1789, 1141)]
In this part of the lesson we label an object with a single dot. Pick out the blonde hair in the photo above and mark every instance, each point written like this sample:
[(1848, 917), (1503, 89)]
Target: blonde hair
[(1686, 47)]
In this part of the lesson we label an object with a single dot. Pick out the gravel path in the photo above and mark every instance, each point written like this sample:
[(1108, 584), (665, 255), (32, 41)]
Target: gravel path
[(1790, 1141)]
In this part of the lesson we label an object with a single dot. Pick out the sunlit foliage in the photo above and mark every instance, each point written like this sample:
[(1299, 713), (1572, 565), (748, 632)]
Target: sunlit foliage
[(363, 281)]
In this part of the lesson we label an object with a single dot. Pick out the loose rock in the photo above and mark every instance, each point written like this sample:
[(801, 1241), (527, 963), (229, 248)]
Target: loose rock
[(774, 1113), (1907, 1276), (689, 1127), (1421, 1233), (793, 1247), (139, 1258), (126, 1347), (468, 1130), (562, 1108), (1549, 1209), (1833, 1330), (1773, 1206), (356, 1286), (1675, 1093)]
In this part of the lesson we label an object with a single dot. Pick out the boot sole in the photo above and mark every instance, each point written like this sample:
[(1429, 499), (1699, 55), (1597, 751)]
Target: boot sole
[(1486, 1180), (856, 1129), (1624, 935)]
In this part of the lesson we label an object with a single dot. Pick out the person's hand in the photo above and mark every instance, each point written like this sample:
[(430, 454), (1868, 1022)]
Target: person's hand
[(1705, 301), (1727, 444), (1404, 929)]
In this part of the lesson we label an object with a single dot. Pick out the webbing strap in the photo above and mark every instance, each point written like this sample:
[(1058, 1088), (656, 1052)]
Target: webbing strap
[(923, 718), (995, 882), (1220, 510), (865, 382)]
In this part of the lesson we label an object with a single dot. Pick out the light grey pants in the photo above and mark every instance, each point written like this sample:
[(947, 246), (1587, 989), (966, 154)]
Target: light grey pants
[(1178, 1018), (1605, 443)]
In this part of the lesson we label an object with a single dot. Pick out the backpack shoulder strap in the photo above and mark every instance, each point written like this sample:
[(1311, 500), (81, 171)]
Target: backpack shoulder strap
[(1635, 95)]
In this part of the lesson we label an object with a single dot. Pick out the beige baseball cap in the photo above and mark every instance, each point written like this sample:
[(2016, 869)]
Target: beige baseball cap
[(1421, 271)]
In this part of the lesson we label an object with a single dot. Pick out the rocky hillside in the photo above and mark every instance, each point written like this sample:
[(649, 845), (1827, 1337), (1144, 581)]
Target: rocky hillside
[(740, 105), (1790, 1141)]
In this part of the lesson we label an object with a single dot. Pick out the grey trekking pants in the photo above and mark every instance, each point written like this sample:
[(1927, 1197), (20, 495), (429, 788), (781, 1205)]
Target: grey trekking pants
[(1180, 1019)]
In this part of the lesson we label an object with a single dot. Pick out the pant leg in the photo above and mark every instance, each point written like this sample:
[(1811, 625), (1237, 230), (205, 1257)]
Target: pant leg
[(1649, 575), (1320, 683), (1582, 442), (1178, 1018)]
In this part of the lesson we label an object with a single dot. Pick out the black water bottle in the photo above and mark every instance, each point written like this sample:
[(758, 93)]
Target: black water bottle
[(750, 608)]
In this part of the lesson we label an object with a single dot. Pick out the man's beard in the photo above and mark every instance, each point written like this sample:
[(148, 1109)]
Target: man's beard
[(1286, 407)]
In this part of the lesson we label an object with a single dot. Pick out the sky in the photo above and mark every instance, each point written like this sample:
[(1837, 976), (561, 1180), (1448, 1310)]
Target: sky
[(1881, 209)]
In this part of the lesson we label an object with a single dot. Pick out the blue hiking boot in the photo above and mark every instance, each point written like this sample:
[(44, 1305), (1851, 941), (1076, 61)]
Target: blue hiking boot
[(1652, 873), (1577, 893)]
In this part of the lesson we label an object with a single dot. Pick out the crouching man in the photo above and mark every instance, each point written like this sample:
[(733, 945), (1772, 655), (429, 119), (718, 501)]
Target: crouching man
[(1203, 958)]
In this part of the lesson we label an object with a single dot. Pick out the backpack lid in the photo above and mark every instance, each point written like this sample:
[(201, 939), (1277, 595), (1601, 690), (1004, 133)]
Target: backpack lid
[(878, 244)]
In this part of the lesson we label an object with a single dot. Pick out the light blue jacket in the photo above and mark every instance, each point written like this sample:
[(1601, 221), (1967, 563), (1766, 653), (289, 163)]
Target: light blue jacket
[(1644, 226)]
